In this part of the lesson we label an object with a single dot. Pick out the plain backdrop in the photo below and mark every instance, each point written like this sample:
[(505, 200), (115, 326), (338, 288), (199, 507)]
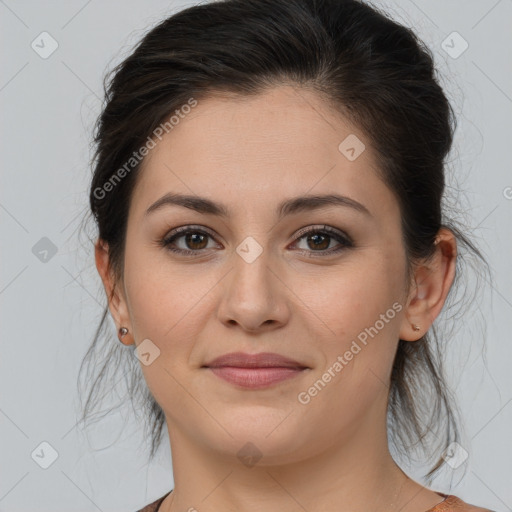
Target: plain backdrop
[(50, 293)]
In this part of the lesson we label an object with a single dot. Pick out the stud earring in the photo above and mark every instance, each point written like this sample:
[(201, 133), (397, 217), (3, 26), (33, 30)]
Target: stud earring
[(415, 327), (123, 331)]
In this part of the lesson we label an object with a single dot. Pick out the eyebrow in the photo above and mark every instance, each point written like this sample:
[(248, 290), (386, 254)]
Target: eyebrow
[(287, 207)]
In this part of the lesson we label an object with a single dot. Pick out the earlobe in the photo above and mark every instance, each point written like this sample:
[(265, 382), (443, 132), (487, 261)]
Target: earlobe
[(432, 282)]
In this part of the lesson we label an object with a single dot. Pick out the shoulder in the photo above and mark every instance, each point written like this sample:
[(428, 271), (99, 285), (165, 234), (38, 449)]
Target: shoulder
[(455, 504), (153, 507)]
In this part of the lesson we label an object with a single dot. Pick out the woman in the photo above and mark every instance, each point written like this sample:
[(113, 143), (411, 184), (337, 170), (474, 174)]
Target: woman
[(268, 191)]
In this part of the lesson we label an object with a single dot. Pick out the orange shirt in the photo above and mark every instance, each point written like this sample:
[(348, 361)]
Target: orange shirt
[(449, 504)]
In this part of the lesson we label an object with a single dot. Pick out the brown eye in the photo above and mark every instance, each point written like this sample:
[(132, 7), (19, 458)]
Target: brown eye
[(187, 241), (320, 241), (195, 240)]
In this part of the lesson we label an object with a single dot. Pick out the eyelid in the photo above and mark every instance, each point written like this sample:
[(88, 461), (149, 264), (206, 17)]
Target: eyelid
[(183, 230), (340, 236), (189, 227), (345, 241), (323, 228)]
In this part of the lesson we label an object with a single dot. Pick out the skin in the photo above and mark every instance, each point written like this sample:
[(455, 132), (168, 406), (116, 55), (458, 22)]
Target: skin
[(332, 453)]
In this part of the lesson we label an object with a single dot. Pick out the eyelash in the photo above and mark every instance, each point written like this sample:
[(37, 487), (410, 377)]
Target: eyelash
[(344, 240)]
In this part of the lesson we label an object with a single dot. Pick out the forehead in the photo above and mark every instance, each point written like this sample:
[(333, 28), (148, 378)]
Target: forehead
[(283, 142)]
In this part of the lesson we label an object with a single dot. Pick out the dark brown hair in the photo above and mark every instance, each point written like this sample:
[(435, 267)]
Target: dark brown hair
[(369, 68)]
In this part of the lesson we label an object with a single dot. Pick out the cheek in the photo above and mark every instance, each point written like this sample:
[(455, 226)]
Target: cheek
[(360, 311), (166, 307), (361, 307), (353, 297), (160, 294), (170, 305)]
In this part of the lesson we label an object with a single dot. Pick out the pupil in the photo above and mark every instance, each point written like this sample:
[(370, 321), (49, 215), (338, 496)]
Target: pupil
[(190, 239), (318, 244)]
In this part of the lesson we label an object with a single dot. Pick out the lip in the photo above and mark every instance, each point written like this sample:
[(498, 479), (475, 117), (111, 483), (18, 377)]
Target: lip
[(261, 360), (255, 370)]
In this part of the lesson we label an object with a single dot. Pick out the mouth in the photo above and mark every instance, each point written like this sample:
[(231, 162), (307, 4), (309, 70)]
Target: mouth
[(255, 371)]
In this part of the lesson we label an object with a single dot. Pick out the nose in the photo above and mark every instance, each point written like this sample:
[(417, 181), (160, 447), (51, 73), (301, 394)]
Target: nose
[(254, 296)]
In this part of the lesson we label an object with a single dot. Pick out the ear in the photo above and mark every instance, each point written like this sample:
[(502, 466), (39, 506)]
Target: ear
[(432, 281), (116, 300)]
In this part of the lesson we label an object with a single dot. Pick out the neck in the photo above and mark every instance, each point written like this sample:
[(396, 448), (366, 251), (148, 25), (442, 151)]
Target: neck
[(355, 472)]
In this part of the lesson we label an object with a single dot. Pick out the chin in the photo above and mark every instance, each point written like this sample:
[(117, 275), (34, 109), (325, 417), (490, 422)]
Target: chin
[(265, 435)]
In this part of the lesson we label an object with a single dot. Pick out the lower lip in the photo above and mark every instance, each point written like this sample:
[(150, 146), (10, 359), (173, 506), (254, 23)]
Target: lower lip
[(255, 377)]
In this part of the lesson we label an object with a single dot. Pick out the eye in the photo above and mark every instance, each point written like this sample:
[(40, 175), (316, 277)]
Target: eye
[(318, 239), (194, 239)]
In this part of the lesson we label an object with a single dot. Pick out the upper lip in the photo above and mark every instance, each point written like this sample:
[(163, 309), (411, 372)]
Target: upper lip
[(261, 360)]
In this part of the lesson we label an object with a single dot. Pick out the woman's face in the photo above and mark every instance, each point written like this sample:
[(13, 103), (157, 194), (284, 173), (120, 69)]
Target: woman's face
[(253, 280)]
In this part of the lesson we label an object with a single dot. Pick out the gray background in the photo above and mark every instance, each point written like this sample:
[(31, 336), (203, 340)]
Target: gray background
[(51, 303)]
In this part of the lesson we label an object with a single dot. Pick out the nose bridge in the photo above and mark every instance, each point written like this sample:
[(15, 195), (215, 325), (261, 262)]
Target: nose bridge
[(251, 272), (252, 296)]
